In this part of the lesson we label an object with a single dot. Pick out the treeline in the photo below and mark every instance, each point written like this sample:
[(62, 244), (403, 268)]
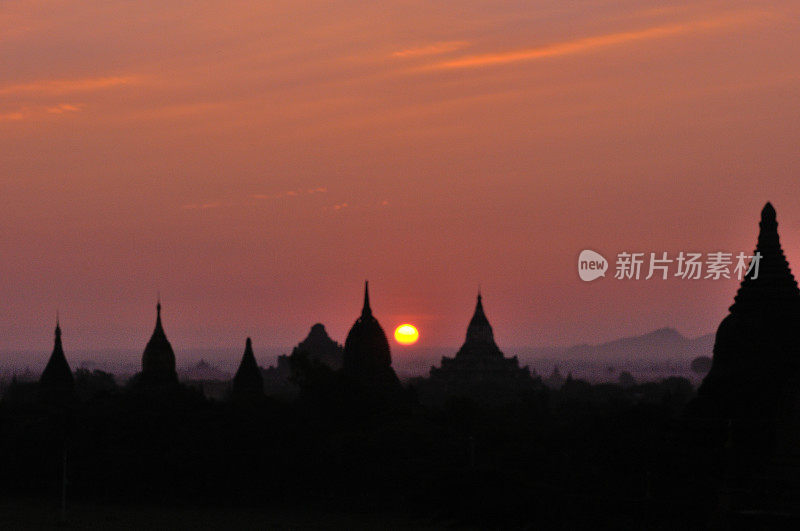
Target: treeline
[(588, 455)]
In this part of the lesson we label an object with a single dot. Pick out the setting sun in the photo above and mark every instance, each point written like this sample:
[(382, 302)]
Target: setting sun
[(406, 334)]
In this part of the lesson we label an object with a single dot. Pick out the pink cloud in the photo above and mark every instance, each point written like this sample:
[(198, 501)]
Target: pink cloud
[(431, 49), (60, 86), (589, 44), (61, 108)]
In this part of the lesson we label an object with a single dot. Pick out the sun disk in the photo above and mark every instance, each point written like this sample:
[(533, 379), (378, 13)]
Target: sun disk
[(406, 334)]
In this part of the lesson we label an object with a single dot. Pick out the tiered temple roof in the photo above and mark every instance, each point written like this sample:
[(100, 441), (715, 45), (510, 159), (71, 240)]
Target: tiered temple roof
[(756, 361), (479, 361), (321, 348)]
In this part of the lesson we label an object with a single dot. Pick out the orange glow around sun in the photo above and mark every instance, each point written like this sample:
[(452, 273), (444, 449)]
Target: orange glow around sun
[(406, 334)]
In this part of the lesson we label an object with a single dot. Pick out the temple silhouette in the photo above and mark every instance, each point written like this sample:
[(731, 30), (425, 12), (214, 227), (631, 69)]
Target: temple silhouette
[(57, 382), (320, 348), (480, 368), (746, 414), (158, 359), (248, 380), (317, 347), (473, 444), (756, 362), (367, 360)]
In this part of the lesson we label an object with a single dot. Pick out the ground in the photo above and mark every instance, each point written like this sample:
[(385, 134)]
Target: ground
[(44, 514)]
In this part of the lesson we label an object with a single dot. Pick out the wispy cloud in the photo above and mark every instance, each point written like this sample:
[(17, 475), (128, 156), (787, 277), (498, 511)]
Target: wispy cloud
[(589, 44), (12, 116), (203, 206), (62, 86), (258, 197), (432, 49), (62, 108), (32, 112), (291, 193)]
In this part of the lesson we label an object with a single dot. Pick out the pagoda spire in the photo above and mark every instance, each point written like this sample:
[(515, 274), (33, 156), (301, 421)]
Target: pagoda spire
[(158, 359), (479, 328), (775, 285), (58, 349), (367, 359), (480, 364), (57, 381), (159, 328), (366, 311), (754, 372), (248, 379)]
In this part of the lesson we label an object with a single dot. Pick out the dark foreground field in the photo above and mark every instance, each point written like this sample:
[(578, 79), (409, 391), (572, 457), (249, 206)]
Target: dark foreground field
[(599, 457), (45, 514)]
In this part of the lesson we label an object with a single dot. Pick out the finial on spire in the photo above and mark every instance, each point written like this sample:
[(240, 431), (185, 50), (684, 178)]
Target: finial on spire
[(768, 226), (248, 344), (58, 325), (768, 212), (366, 310), (158, 313)]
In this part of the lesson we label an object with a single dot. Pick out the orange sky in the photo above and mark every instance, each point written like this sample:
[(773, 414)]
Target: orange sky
[(256, 161)]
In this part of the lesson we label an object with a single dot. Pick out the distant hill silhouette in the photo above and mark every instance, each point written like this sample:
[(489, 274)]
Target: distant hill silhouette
[(661, 344)]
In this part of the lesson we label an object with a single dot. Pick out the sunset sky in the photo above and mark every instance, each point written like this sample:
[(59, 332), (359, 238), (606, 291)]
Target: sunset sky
[(255, 162)]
